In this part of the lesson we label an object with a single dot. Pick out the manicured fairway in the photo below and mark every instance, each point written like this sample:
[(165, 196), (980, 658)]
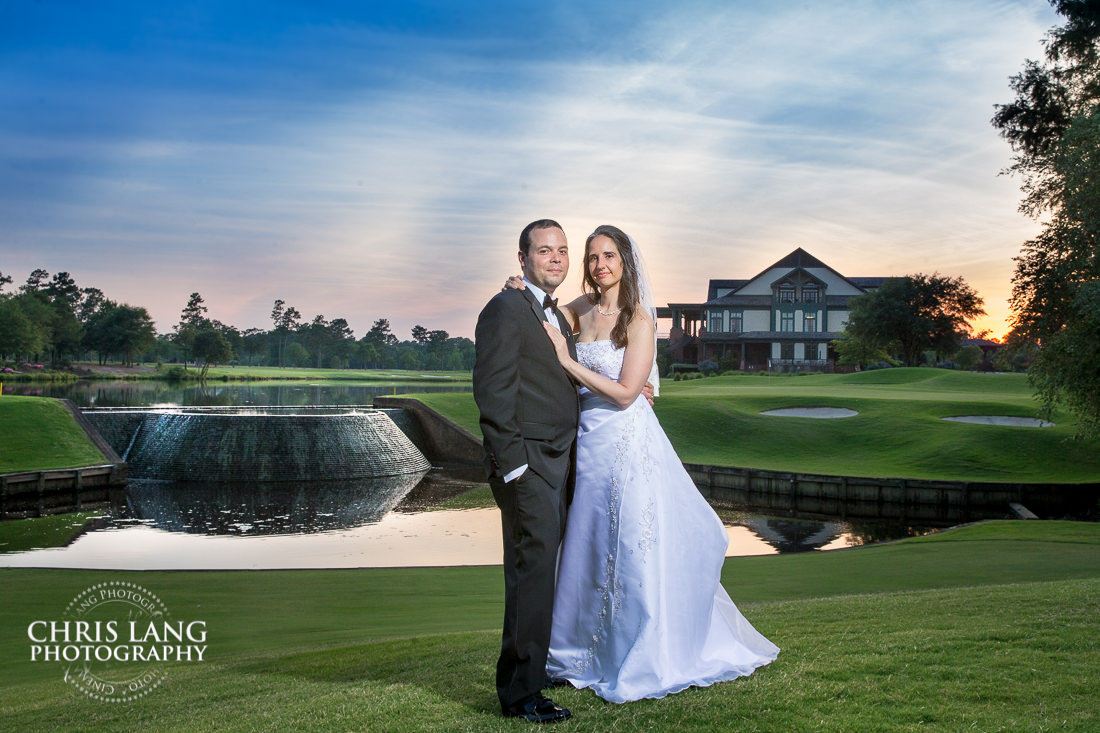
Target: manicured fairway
[(989, 627), (897, 433)]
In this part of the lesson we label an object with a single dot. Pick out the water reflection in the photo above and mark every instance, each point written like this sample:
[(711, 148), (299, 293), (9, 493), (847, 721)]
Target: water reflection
[(268, 508), (118, 393), (390, 523)]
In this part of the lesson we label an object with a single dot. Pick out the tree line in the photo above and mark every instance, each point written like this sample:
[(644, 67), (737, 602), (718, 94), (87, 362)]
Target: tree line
[(51, 319), (911, 321), (1053, 126)]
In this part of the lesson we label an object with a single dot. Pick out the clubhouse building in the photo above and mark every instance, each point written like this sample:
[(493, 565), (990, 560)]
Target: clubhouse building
[(780, 320)]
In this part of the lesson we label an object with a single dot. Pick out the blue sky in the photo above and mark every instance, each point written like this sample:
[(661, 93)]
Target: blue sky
[(377, 159)]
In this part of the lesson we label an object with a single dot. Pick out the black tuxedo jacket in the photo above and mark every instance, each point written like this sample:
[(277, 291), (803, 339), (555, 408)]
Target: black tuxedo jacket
[(529, 407)]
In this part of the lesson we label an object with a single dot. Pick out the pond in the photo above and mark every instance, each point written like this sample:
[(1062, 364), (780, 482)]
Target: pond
[(409, 522), (288, 393), (441, 518)]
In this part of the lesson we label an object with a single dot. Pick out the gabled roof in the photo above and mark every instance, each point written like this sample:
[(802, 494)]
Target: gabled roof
[(868, 282), (791, 276), (798, 259), (729, 285)]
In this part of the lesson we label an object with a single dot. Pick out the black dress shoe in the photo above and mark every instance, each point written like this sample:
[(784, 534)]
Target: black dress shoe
[(539, 709), (557, 682)]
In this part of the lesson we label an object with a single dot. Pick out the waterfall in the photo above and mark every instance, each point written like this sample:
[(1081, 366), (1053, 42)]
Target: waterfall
[(277, 445)]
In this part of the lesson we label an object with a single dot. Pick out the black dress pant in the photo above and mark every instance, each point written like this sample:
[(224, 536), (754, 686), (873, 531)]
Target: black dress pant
[(533, 520)]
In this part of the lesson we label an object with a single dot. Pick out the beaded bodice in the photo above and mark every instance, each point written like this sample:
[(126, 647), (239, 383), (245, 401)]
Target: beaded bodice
[(601, 357)]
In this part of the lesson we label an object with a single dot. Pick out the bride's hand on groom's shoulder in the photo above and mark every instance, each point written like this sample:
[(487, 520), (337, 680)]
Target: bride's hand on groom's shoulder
[(561, 348), (515, 282)]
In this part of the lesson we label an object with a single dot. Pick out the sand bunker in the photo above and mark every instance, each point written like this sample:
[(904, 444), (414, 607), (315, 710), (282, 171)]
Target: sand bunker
[(1015, 422), (818, 412)]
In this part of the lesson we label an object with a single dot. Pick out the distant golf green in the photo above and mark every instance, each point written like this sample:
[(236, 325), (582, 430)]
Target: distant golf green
[(899, 431)]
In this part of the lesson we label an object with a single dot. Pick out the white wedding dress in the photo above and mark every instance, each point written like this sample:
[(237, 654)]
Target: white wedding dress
[(639, 611)]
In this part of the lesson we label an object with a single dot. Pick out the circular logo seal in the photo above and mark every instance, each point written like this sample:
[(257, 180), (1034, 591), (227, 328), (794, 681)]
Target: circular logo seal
[(108, 628)]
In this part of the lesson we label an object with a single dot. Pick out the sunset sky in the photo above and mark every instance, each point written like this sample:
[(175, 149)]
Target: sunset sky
[(378, 159)]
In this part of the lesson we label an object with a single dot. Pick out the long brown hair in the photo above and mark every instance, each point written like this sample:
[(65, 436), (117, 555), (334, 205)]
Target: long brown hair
[(629, 292)]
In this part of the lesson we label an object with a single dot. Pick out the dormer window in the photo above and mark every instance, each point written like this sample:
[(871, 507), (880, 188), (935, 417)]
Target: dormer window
[(786, 293), (810, 294)]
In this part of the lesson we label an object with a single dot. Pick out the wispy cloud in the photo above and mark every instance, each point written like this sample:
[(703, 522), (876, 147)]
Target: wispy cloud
[(367, 166)]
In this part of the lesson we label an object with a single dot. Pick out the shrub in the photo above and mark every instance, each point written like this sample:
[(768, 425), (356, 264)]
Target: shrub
[(177, 374)]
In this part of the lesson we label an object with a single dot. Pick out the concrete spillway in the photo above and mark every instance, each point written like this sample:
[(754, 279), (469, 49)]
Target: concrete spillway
[(258, 445)]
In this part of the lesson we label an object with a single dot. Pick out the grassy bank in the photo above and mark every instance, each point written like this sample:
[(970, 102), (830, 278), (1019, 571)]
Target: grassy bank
[(899, 430), (37, 434), (991, 627)]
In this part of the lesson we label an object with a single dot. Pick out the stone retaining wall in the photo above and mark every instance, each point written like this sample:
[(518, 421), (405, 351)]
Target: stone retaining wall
[(442, 441), (60, 490), (56, 491), (916, 501), (784, 493)]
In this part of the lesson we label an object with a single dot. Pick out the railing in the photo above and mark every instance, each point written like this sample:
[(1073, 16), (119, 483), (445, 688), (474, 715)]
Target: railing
[(799, 364)]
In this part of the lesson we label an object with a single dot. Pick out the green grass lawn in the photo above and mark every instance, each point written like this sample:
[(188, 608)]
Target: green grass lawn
[(990, 627), (897, 433), (37, 434)]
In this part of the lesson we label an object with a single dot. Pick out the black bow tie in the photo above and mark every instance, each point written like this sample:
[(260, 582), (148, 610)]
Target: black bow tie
[(549, 302)]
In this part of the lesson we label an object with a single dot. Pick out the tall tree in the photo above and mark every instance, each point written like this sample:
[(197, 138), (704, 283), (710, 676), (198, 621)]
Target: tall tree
[(90, 300), (39, 312), (437, 343), (17, 334), (64, 296), (342, 344), (210, 346), (253, 342), (131, 332), (1053, 126), (34, 281), (62, 289), (286, 320), (912, 314), (192, 320), (317, 338), (380, 334)]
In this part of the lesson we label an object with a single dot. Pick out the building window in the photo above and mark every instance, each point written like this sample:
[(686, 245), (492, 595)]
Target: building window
[(786, 293), (714, 321), (786, 352), (786, 322), (809, 323), (736, 318), (810, 294)]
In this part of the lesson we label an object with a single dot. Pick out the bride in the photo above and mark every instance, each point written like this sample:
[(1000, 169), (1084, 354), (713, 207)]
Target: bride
[(639, 611)]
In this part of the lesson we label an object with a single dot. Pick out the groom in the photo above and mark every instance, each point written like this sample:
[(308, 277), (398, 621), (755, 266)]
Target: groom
[(529, 414)]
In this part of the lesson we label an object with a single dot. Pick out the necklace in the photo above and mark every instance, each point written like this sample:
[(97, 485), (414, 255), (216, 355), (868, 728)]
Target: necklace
[(607, 314)]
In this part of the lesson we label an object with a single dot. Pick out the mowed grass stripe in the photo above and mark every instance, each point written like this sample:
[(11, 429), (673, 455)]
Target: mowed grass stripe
[(1010, 657)]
